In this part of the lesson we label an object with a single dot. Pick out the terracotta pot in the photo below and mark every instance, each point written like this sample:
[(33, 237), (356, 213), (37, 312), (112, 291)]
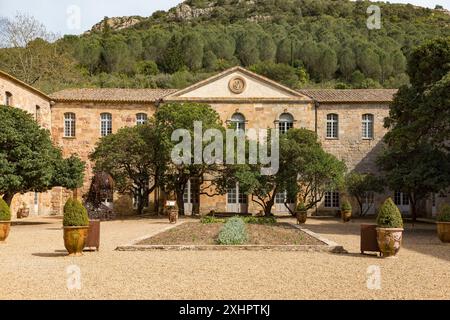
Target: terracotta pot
[(346, 215), (173, 216), (301, 216), (75, 239), (443, 230), (4, 230), (389, 240)]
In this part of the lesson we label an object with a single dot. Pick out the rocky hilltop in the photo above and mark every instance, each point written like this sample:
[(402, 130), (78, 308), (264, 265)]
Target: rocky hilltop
[(116, 23)]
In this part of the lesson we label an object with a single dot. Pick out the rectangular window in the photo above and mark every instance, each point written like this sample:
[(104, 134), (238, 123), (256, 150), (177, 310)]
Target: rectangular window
[(69, 125), (332, 126), (401, 199), (105, 124), (8, 99), (235, 196), (367, 126), (332, 199)]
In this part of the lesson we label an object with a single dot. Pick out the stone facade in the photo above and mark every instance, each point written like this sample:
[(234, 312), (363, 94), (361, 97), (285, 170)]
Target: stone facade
[(20, 95), (261, 103)]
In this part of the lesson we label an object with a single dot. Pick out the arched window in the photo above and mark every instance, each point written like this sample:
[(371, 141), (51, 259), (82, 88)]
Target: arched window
[(285, 122), (367, 126), (141, 118), (69, 124), (238, 122), (332, 126), (8, 98), (105, 124)]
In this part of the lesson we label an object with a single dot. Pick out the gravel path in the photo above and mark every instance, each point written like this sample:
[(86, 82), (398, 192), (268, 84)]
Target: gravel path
[(34, 262)]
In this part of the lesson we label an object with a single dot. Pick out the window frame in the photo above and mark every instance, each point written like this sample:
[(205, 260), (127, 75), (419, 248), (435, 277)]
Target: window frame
[(70, 125), (143, 120), (332, 200), (8, 99), (105, 124), (285, 122), (368, 128), (332, 128), (239, 121)]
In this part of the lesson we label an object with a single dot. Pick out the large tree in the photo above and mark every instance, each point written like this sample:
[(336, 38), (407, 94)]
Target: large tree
[(417, 154), (28, 160), (135, 157), (362, 187), (175, 116)]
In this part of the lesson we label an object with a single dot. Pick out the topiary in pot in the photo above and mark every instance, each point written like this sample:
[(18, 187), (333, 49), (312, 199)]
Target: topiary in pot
[(346, 211), (301, 213), (5, 220), (443, 223), (76, 225), (390, 228)]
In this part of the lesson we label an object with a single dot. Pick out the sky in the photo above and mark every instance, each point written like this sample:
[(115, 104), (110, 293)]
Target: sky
[(77, 16)]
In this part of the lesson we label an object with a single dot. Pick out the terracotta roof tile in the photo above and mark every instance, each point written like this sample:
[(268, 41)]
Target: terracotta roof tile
[(112, 95), (350, 96)]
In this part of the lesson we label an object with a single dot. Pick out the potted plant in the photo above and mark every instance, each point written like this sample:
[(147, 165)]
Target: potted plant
[(23, 212), (172, 211), (5, 220), (390, 228), (301, 212), (76, 225), (443, 223), (346, 211)]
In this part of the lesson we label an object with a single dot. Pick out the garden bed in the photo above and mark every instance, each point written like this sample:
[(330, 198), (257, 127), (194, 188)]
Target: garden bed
[(198, 236), (194, 233)]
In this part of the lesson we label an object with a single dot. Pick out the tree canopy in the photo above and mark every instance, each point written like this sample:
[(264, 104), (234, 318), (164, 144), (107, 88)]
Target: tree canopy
[(326, 39), (28, 160)]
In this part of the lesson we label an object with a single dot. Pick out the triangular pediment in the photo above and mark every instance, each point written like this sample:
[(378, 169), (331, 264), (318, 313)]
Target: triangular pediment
[(237, 84)]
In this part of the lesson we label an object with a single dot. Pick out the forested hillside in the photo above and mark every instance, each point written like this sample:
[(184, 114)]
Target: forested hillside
[(301, 43)]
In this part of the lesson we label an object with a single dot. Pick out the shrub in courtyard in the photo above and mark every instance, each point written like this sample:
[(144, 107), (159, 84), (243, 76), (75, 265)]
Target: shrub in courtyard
[(259, 220), (233, 232), (444, 214), (5, 211), (210, 219), (75, 214), (389, 215), (346, 206)]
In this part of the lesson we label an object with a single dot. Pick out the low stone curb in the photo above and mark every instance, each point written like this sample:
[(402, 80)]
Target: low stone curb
[(329, 246)]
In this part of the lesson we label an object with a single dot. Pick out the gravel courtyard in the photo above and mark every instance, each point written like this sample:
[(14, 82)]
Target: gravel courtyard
[(33, 263)]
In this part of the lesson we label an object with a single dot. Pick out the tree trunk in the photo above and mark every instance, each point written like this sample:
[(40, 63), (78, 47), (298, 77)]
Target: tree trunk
[(180, 202), (268, 208), (8, 197)]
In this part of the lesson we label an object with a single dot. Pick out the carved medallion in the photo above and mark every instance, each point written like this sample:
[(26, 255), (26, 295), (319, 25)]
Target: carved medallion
[(237, 85)]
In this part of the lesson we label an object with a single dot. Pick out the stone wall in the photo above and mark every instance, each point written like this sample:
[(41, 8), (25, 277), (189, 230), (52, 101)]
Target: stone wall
[(38, 105), (87, 132)]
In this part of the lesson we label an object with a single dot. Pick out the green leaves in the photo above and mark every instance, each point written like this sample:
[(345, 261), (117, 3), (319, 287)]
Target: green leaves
[(75, 215), (5, 211), (389, 215), (28, 159)]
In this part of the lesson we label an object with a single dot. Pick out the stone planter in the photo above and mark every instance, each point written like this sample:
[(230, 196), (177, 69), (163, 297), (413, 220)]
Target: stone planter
[(4, 230), (75, 239), (389, 240), (443, 230), (173, 215), (346, 215), (301, 216)]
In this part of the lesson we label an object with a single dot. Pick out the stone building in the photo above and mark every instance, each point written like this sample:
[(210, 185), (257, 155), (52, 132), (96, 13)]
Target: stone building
[(349, 124)]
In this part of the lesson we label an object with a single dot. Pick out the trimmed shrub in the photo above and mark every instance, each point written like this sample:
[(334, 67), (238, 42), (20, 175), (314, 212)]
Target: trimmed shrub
[(259, 220), (5, 211), (444, 214), (75, 214), (233, 232), (389, 216), (301, 207), (346, 206), (211, 219)]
